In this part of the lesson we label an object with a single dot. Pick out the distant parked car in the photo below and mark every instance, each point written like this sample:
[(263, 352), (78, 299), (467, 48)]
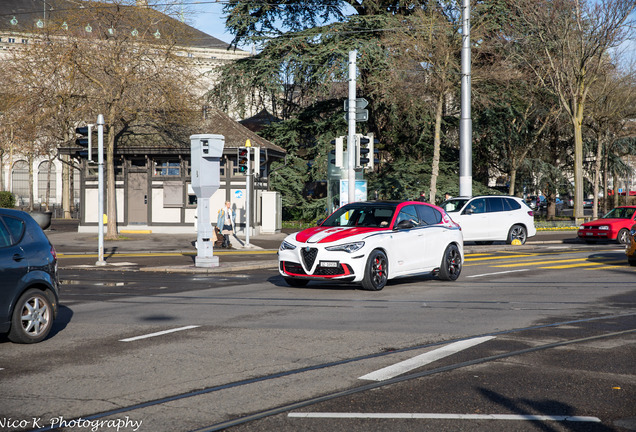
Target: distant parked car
[(630, 250), (492, 218), (615, 225), (558, 203), (532, 201), (29, 287)]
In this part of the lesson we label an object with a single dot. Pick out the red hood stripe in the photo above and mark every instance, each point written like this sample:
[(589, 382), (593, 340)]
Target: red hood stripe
[(338, 233)]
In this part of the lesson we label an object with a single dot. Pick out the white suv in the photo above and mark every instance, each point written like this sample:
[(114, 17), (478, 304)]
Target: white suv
[(485, 219)]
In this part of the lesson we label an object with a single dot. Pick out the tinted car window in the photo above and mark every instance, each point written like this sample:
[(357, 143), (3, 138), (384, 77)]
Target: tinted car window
[(408, 213), (510, 204), (428, 215), (5, 238), (620, 213), (361, 215), (495, 204), (16, 227), (453, 204), (477, 205)]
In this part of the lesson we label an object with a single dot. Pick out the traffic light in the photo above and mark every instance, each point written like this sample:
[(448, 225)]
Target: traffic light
[(243, 160), (362, 151), (336, 155), (84, 140), (366, 153)]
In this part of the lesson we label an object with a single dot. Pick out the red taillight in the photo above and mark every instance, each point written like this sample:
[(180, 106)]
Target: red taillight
[(53, 253)]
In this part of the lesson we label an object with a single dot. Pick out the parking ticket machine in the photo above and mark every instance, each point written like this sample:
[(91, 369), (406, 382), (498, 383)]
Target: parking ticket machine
[(205, 156)]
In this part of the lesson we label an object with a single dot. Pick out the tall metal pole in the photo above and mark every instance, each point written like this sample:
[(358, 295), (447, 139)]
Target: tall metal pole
[(465, 123), (100, 188), (248, 180), (351, 151)]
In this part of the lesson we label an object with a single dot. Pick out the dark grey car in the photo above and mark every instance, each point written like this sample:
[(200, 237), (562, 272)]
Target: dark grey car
[(29, 285)]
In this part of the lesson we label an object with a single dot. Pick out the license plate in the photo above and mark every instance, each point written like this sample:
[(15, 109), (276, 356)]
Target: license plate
[(589, 233), (328, 263)]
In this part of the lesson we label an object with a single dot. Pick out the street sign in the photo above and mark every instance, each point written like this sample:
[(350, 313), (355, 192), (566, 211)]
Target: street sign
[(361, 103), (361, 116)]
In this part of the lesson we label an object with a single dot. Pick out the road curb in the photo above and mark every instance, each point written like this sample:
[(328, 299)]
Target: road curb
[(223, 267)]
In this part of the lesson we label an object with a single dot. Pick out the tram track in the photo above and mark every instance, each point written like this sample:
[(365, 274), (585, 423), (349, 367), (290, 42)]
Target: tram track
[(359, 389)]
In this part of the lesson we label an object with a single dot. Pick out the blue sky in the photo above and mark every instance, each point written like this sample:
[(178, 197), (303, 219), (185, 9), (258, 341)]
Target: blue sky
[(208, 17)]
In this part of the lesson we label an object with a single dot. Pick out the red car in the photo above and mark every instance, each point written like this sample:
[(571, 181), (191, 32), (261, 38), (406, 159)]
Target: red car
[(613, 226)]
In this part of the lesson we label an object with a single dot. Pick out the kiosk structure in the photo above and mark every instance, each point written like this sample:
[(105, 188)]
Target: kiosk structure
[(205, 156)]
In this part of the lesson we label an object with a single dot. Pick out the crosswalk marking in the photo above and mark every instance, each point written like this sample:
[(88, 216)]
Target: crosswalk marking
[(499, 257), (566, 266), (517, 264), (423, 359)]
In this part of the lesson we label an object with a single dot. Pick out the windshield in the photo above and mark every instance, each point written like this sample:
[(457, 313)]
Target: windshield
[(454, 204), (361, 215), (620, 213)]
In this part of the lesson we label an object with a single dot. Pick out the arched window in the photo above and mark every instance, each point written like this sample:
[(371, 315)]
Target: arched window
[(43, 176), (20, 182)]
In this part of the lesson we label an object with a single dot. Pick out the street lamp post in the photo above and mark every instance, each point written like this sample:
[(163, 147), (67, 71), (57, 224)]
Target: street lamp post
[(100, 189)]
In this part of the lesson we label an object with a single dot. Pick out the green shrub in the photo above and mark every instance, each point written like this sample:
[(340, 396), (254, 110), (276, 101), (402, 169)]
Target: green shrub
[(7, 200)]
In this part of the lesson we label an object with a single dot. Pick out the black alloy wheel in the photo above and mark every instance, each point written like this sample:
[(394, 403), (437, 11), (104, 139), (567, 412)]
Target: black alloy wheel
[(376, 271)]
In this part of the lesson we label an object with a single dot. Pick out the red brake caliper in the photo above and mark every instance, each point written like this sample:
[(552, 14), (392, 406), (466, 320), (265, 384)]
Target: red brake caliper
[(378, 266)]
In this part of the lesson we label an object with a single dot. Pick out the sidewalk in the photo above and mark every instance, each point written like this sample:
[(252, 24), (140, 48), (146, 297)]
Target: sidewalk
[(176, 252), (86, 243), (170, 252)]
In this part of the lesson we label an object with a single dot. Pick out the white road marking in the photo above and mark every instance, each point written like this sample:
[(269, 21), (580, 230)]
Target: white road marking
[(158, 333), (522, 417), (498, 273), (423, 359)]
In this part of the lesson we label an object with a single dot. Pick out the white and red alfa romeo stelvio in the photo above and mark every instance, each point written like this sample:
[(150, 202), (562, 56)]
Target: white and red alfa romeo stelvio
[(372, 242)]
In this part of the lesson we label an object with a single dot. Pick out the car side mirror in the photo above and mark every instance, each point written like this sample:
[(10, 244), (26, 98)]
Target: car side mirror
[(319, 222), (405, 224), (468, 211)]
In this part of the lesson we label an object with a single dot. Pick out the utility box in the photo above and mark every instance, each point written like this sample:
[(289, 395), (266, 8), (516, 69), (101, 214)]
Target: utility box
[(272, 213), (205, 156), (205, 163)]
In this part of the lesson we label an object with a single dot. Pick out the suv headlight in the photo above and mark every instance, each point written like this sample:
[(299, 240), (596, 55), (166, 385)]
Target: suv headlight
[(286, 246), (348, 247)]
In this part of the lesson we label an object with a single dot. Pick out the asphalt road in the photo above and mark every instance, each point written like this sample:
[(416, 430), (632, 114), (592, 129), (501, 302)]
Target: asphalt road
[(549, 333)]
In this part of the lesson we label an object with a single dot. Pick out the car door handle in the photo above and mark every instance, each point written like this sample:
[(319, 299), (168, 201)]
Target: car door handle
[(18, 257)]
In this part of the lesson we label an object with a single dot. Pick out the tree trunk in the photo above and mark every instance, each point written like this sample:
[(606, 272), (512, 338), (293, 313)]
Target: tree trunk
[(513, 175), (47, 195), (66, 187), (615, 189), (111, 194), (605, 180), (597, 173), (2, 171), (436, 147), (577, 121), (30, 162)]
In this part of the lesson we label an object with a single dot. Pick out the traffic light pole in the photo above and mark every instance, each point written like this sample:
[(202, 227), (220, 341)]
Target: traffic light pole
[(465, 122), (351, 151), (248, 180), (100, 188)]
